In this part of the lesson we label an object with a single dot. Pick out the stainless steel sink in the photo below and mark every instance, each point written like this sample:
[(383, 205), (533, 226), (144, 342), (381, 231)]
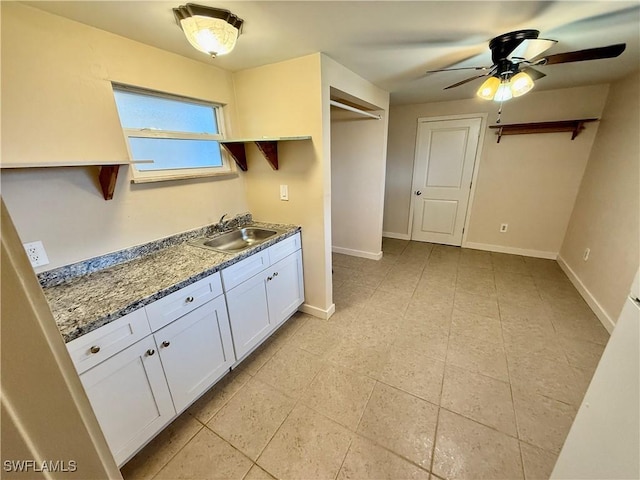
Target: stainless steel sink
[(236, 240)]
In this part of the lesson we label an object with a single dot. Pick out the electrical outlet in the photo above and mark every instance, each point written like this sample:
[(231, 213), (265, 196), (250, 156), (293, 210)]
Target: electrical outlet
[(504, 227), (284, 192), (35, 252), (585, 255)]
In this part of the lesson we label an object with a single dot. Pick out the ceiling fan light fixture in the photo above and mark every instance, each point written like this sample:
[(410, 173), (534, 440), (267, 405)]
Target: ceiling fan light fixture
[(521, 83), (503, 93), (489, 88), (213, 31)]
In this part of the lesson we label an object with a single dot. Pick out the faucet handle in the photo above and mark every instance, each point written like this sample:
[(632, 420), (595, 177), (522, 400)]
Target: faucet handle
[(222, 218)]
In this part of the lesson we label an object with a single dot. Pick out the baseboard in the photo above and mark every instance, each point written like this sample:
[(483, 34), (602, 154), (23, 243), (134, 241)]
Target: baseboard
[(398, 236), (357, 253), (318, 312), (525, 252), (604, 318)]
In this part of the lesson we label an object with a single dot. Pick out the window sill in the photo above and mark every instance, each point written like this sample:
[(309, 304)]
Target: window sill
[(167, 178)]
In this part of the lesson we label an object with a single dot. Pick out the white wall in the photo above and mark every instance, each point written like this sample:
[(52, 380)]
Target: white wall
[(527, 181), (357, 183), (606, 216), (46, 61)]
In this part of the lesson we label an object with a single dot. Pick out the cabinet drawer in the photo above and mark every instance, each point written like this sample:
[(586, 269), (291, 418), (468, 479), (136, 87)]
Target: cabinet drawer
[(286, 247), (245, 269), (95, 347), (173, 306)]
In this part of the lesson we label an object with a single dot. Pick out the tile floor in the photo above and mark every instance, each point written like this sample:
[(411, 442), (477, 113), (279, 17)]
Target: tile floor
[(439, 362)]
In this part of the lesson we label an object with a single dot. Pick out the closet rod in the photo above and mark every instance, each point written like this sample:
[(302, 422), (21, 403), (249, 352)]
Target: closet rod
[(354, 109)]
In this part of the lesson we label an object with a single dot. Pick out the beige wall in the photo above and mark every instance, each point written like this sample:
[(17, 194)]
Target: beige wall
[(527, 181), (606, 216), (357, 183), (284, 99), (64, 91)]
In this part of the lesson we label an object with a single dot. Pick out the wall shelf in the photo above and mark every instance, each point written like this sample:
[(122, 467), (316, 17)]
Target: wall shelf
[(107, 176), (573, 126), (267, 145)]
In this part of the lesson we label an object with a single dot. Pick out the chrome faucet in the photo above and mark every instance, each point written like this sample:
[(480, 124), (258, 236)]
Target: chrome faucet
[(222, 218)]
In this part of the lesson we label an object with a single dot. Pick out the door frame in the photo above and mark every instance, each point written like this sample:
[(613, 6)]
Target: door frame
[(476, 163)]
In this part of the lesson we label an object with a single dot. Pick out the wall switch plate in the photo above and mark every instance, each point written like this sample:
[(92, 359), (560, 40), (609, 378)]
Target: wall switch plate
[(35, 252), (585, 255), (504, 227), (284, 192)]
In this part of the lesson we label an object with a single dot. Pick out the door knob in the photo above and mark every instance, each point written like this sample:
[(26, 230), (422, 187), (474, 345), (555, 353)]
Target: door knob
[(418, 192)]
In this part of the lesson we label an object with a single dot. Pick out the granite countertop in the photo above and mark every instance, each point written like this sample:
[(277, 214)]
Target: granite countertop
[(90, 294)]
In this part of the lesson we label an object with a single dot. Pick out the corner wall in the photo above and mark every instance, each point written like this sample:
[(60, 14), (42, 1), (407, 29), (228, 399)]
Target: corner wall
[(606, 216), (64, 207), (527, 181)]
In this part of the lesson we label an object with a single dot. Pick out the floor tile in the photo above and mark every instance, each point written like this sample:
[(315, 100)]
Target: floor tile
[(150, 460), (251, 417), (291, 370), (545, 377), (208, 405), (581, 354), (475, 258), (477, 304), (388, 302), (423, 337), (315, 336), (414, 372), (538, 463), (480, 398), (476, 281), (481, 328), (339, 394), (366, 460), (400, 422), (206, 457), (257, 473), (466, 449), (364, 358), (509, 263), (542, 421), (307, 445), (478, 356)]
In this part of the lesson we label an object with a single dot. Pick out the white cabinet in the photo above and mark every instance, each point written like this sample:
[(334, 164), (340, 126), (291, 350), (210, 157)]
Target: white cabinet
[(196, 350), (260, 304), (130, 397)]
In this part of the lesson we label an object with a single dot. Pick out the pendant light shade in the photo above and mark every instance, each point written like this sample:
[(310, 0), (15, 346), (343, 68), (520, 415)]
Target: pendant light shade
[(521, 83), (489, 88), (505, 88), (213, 31)]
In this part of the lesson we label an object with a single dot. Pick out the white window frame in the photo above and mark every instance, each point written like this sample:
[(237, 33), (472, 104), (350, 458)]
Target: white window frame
[(228, 167)]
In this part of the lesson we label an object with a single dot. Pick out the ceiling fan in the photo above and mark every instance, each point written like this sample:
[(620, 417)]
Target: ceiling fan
[(514, 55)]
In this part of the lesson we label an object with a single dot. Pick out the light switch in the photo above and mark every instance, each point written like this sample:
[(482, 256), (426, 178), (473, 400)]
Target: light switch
[(284, 192)]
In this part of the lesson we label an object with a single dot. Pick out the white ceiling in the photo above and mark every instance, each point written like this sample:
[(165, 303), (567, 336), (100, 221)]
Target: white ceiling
[(390, 43)]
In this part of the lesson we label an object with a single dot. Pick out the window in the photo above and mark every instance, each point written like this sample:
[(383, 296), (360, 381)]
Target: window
[(177, 137)]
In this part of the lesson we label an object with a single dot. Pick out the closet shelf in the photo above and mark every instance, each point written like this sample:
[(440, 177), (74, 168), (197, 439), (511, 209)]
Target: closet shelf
[(267, 145), (106, 177), (573, 126)]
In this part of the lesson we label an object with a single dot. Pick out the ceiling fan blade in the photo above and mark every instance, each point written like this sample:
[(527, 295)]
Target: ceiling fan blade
[(466, 81), (610, 51), (533, 73), (460, 68)]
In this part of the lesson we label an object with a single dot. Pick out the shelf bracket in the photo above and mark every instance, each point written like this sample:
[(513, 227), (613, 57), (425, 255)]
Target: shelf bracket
[(237, 151), (269, 149), (107, 177)]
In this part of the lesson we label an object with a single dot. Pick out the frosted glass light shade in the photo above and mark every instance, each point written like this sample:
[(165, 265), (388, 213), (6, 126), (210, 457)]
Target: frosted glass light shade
[(210, 35), (489, 88), (504, 93), (210, 30), (521, 83)]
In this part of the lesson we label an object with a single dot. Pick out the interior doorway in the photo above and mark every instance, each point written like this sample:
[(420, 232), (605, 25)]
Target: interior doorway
[(446, 151)]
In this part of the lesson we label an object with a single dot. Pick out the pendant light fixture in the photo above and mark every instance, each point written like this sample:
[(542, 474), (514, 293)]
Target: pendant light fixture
[(213, 31)]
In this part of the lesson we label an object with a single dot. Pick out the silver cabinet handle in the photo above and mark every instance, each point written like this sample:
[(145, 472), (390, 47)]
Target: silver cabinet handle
[(151, 351), (165, 344), (269, 279), (188, 299), (275, 274), (418, 192), (94, 349)]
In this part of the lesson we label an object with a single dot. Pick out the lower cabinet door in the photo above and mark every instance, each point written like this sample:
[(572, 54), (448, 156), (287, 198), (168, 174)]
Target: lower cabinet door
[(130, 397), (196, 350), (249, 314), (285, 290)]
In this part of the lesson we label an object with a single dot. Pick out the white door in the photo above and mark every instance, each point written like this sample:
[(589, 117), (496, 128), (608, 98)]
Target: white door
[(285, 289), (443, 169), (195, 351), (130, 397)]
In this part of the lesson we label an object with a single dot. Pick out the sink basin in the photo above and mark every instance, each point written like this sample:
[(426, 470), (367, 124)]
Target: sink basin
[(237, 240)]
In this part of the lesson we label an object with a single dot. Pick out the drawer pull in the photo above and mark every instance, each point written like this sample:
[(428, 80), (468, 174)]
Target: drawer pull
[(165, 344), (275, 274), (269, 279), (151, 351), (94, 349), (188, 299)]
